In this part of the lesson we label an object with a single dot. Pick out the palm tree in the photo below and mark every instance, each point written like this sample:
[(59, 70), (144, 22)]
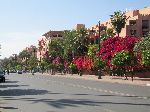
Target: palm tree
[(118, 21)]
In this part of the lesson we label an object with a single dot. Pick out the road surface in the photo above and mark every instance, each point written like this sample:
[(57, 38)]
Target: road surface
[(28, 93)]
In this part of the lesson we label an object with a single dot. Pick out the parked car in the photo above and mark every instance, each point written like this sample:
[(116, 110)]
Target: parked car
[(12, 71), (2, 76), (19, 71)]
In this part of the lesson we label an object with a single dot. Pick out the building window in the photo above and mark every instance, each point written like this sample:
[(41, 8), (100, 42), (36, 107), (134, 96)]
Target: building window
[(133, 32), (54, 35), (132, 22), (103, 28), (145, 24)]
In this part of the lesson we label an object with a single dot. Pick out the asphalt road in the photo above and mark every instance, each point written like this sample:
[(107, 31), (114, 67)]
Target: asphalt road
[(27, 93)]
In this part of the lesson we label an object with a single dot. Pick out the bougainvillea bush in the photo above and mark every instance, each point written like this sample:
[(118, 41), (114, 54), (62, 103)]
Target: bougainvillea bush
[(83, 63), (114, 45)]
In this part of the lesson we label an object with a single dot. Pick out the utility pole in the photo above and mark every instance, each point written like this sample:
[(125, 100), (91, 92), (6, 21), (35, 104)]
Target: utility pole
[(99, 34)]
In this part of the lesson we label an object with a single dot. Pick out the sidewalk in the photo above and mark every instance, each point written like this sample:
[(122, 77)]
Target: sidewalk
[(136, 81)]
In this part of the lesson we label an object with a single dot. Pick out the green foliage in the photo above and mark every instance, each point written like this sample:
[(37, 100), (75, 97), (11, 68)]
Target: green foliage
[(75, 43), (143, 45), (33, 62), (81, 42), (5, 63), (99, 63), (146, 58), (24, 54), (108, 33), (18, 67), (92, 49), (55, 48), (118, 21), (121, 59), (73, 68), (69, 43), (44, 65)]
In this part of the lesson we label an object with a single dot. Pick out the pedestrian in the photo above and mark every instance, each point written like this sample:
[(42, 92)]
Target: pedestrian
[(4, 72), (8, 72)]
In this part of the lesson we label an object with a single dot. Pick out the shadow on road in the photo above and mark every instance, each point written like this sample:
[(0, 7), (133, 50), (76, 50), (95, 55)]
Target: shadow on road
[(8, 108), (64, 103), (8, 81), (20, 92), (6, 86)]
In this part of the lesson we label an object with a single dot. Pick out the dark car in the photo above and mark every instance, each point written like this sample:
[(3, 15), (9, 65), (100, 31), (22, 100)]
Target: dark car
[(2, 76), (19, 71)]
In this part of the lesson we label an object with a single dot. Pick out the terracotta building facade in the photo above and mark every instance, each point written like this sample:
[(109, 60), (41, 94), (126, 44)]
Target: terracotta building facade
[(138, 23)]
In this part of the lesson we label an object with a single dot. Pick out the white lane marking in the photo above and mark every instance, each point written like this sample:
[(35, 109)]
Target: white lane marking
[(132, 95), (95, 89), (106, 91), (108, 110), (89, 88), (128, 95), (85, 87), (122, 94), (142, 97), (100, 90), (110, 91)]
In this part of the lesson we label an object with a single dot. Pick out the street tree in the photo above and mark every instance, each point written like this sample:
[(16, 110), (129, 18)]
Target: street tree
[(33, 63), (69, 44), (118, 21)]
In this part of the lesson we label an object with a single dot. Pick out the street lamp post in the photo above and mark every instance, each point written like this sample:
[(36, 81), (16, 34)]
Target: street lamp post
[(99, 34), (15, 59)]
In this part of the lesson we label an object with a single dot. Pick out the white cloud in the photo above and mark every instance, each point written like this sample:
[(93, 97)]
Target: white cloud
[(14, 42)]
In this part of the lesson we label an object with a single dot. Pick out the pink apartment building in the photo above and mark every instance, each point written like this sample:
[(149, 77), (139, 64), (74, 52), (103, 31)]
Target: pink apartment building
[(138, 23), (45, 40)]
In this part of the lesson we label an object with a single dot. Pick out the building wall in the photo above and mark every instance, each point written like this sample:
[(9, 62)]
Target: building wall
[(130, 30), (79, 26), (138, 16)]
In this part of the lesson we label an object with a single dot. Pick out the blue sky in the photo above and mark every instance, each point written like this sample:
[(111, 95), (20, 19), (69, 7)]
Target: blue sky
[(22, 22)]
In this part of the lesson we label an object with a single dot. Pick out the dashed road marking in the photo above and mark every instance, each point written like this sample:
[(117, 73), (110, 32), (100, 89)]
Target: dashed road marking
[(89, 88), (122, 94), (127, 94), (110, 91), (95, 89)]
